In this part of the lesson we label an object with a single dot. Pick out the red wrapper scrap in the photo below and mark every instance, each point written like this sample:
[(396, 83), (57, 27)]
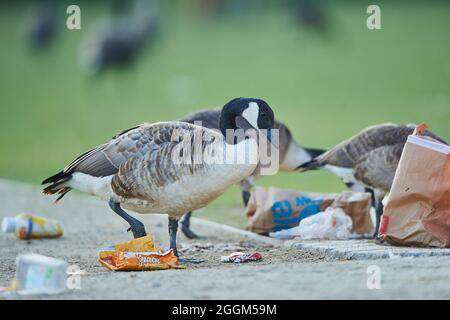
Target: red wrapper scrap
[(241, 257)]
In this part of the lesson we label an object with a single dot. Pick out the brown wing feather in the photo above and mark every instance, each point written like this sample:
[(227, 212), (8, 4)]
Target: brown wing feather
[(93, 162), (139, 153), (348, 153), (377, 167), (126, 130), (132, 143), (97, 162), (140, 177)]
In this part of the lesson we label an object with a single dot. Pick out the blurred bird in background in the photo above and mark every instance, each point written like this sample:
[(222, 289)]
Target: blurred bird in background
[(42, 25), (311, 15), (223, 8), (291, 154), (119, 41), (210, 7)]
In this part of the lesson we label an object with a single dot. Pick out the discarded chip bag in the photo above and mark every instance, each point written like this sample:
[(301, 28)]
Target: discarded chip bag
[(274, 209), (417, 211), (138, 254)]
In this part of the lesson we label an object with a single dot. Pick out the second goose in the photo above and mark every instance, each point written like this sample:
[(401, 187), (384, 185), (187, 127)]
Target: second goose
[(368, 160), (291, 155)]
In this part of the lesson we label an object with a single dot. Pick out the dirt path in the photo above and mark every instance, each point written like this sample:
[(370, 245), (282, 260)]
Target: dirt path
[(282, 274)]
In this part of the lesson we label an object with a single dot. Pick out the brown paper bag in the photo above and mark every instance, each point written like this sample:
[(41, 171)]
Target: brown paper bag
[(357, 205), (417, 212), (273, 209)]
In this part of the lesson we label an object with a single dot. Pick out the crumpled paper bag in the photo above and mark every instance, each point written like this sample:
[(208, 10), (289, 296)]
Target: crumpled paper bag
[(417, 212), (274, 209)]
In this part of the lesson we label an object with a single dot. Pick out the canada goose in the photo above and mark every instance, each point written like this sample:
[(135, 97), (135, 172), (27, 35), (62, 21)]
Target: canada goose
[(369, 159), (290, 152), (118, 42), (311, 14), (137, 170), (211, 8), (43, 25)]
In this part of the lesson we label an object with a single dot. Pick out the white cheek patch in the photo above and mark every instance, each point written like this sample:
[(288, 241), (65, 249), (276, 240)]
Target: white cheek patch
[(251, 114)]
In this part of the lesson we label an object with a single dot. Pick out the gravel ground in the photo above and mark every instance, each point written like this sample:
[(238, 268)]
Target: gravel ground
[(282, 274)]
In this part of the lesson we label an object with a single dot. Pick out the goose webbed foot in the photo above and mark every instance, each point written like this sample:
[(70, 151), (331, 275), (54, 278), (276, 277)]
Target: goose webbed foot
[(186, 229), (173, 228), (136, 226)]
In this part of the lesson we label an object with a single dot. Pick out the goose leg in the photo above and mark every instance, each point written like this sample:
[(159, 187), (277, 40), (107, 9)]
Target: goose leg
[(246, 185), (378, 214), (377, 203), (185, 226), (245, 197), (173, 228), (136, 226)]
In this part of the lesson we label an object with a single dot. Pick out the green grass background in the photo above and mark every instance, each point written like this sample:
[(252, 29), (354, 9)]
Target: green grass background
[(324, 88)]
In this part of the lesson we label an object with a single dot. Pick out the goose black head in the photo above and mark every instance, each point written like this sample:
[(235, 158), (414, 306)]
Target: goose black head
[(245, 114)]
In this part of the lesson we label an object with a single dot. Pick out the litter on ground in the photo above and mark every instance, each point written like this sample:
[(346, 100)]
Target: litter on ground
[(241, 257), (331, 224), (138, 254), (27, 226), (38, 274), (202, 247)]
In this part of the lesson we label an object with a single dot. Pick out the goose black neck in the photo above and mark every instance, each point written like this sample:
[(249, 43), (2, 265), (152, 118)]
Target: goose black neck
[(228, 115)]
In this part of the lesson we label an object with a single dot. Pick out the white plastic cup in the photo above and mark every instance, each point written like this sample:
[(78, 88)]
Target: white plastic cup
[(37, 274)]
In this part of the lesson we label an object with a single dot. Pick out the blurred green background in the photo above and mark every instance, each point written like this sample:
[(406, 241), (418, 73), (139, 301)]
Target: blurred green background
[(325, 86)]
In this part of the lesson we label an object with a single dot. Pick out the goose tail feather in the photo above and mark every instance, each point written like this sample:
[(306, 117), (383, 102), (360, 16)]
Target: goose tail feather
[(314, 152), (310, 165), (58, 184)]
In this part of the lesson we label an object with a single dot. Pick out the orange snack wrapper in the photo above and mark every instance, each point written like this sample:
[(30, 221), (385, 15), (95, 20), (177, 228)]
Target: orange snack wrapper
[(138, 254)]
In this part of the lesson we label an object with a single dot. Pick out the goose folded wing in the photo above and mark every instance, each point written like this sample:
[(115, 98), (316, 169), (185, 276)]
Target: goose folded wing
[(377, 168), (106, 159), (353, 150), (163, 161), (136, 143)]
